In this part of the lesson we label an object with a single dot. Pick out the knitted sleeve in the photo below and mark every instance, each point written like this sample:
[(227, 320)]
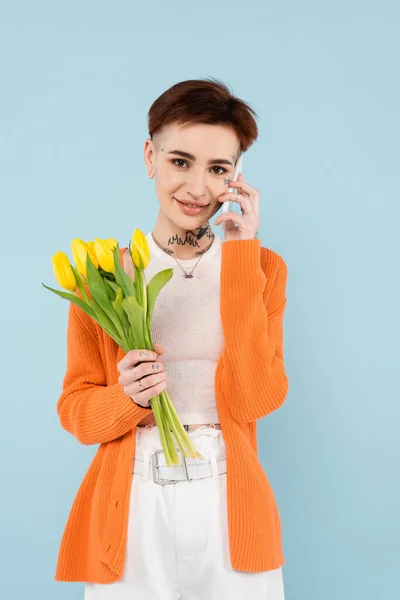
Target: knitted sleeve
[(88, 408), (253, 301)]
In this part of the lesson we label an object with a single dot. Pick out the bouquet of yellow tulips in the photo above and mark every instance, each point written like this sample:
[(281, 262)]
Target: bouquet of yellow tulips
[(124, 309)]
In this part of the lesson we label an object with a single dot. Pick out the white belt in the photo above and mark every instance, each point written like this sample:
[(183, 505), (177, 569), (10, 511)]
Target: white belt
[(190, 468)]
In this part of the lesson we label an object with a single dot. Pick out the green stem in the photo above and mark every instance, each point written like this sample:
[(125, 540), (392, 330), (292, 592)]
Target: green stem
[(171, 425), (182, 438), (155, 404), (143, 292), (168, 432), (138, 284)]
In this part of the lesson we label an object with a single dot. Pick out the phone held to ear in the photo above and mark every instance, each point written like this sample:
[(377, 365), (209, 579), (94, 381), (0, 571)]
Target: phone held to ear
[(239, 169)]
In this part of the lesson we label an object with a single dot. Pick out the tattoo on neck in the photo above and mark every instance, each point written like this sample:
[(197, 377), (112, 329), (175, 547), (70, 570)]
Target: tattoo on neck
[(191, 239), (162, 149)]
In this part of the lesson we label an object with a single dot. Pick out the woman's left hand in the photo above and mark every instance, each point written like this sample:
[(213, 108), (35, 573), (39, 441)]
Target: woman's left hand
[(248, 222)]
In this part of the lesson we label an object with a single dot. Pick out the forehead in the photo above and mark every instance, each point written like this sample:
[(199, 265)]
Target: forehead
[(200, 139)]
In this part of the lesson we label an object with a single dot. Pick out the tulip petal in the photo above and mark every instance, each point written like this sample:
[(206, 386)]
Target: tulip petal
[(62, 271), (80, 250), (104, 255), (112, 243), (140, 239)]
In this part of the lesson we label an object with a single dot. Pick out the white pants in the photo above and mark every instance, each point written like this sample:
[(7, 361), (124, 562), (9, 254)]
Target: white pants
[(178, 546)]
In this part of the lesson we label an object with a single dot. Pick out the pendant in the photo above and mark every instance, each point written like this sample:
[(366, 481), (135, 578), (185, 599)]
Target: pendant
[(188, 275)]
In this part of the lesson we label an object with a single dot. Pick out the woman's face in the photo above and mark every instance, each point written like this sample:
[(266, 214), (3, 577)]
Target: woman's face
[(191, 163)]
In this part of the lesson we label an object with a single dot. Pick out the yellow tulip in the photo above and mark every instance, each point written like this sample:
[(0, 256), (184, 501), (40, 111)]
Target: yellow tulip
[(104, 255), (91, 246), (63, 272), (140, 249), (80, 250), (112, 243)]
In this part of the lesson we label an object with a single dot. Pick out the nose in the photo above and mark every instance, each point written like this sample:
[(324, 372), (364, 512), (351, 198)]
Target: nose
[(196, 185)]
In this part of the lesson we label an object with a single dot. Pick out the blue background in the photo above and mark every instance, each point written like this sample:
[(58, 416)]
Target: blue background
[(77, 79)]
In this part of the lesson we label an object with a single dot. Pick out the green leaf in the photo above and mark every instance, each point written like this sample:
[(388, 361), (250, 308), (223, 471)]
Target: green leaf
[(98, 290), (154, 287), (136, 272), (106, 274), (106, 324), (135, 315), (102, 317), (79, 282), (75, 299), (110, 290), (89, 310), (122, 278), (113, 284), (117, 304)]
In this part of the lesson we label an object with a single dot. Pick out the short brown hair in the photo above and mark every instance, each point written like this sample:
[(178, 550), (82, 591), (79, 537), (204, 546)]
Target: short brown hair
[(206, 101)]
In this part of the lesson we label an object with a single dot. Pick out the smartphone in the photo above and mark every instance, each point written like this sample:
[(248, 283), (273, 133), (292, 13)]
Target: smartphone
[(239, 169)]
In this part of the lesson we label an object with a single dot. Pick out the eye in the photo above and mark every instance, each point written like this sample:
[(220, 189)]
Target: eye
[(221, 170), (178, 160)]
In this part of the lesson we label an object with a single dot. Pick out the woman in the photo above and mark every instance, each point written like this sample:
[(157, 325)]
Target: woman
[(215, 532)]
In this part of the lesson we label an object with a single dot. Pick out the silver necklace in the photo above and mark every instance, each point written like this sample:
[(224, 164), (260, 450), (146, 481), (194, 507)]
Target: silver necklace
[(186, 274)]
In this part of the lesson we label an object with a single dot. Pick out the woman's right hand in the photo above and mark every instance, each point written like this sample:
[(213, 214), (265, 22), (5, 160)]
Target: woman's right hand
[(142, 366)]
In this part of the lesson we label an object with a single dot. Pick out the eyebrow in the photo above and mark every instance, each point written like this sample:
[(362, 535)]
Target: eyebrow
[(221, 161)]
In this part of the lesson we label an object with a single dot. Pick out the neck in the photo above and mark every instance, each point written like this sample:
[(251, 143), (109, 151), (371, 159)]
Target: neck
[(181, 243)]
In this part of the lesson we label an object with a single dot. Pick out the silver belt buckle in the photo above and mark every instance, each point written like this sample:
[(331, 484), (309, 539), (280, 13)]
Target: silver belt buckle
[(156, 466)]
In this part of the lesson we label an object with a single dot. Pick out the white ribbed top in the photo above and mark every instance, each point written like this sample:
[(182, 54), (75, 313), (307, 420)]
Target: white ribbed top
[(186, 322)]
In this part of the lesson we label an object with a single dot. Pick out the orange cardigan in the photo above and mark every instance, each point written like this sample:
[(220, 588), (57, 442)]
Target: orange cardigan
[(250, 383)]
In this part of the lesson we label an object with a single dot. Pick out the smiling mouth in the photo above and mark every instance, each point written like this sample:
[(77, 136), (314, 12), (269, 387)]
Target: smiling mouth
[(191, 204)]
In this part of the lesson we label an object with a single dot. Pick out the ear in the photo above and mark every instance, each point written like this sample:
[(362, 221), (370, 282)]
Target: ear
[(149, 157)]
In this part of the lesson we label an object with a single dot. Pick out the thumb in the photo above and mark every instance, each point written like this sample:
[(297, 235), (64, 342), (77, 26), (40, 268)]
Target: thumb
[(159, 349)]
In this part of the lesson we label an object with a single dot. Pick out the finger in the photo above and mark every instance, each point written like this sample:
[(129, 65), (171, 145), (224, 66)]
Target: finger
[(151, 393), (147, 383), (158, 348), (137, 372), (231, 216), (135, 356), (244, 187), (244, 201)]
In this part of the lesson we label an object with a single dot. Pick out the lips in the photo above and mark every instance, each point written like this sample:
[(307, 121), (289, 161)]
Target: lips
[(194, 204)]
